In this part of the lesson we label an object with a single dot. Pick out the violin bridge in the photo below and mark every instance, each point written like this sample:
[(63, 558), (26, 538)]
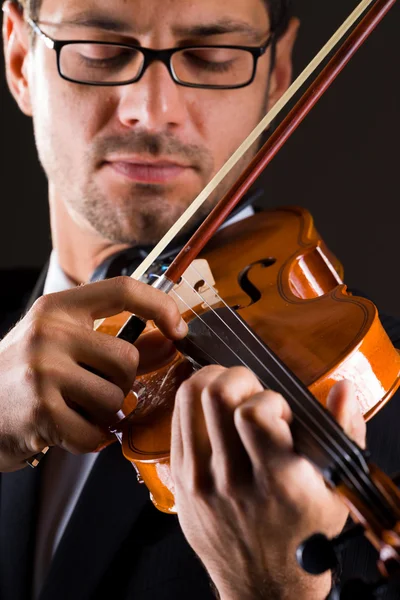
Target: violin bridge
[(196, 287)]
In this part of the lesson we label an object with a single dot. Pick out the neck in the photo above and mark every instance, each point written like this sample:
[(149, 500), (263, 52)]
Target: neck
[(79, 247)]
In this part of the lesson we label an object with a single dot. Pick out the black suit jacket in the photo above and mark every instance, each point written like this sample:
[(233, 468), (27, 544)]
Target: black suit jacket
[(117, 545)]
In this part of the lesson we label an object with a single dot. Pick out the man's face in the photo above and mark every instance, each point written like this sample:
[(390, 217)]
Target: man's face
[(127, 160)]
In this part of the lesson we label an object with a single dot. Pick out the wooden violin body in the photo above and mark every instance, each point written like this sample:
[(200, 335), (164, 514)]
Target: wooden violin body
[(278, 274)]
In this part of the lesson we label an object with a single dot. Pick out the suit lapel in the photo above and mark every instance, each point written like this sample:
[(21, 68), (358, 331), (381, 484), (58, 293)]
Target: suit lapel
[(110, 503), (18, 504)]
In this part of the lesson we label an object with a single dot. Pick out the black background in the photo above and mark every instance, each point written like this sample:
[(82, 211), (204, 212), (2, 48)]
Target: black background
[(342, 163)]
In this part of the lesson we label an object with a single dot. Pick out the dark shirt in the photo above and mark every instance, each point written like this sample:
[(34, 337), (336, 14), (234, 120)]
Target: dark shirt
[(117, 545)]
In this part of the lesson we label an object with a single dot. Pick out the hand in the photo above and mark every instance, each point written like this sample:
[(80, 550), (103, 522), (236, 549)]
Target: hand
[(245, 500), (47, 396)]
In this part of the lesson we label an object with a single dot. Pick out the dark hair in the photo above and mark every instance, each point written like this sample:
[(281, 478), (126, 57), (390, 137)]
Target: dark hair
[(279, 12)]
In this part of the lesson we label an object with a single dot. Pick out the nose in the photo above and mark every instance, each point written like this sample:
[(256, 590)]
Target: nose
[(155, 102)]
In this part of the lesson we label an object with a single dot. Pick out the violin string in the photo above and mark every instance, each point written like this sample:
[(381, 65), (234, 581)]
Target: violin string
[(317, 406), (206, 324), (198, 316), (360, 478), (236, 335), (356, 483)]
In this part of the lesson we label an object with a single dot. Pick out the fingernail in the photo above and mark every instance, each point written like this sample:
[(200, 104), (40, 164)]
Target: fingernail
[(182, 328)]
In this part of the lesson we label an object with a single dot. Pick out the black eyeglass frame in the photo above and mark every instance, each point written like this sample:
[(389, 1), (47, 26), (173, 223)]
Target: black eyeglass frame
[(151, 55)]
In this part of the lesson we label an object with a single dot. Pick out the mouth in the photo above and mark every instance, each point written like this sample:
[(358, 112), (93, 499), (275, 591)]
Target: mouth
[(147, 171)]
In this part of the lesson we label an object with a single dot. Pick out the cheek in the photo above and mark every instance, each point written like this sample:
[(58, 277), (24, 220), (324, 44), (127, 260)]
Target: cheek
[(64, 112), (226, 123)]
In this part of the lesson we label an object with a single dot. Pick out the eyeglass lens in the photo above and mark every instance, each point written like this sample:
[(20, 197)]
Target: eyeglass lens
[(105, 63)]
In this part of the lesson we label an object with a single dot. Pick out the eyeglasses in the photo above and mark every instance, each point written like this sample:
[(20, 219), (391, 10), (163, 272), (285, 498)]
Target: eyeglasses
[(109, 63)]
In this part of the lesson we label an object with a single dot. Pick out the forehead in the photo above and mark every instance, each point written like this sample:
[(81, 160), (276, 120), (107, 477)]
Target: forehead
[(147, 16)]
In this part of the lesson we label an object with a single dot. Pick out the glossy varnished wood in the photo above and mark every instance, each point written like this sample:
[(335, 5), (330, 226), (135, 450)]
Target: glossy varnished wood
[(305, 314)]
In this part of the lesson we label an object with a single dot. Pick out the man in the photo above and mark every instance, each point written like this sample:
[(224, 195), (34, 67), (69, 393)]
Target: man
[(127, 139)]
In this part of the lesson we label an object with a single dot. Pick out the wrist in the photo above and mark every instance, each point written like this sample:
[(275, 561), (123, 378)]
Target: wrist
[(303, 587)]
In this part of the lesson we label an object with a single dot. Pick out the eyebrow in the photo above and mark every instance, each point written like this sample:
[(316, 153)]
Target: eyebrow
[(112, 24), (92, 21), (221, 27)]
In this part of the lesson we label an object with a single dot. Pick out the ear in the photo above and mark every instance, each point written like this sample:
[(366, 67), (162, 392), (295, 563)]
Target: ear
[(282, 74), (16, 45)]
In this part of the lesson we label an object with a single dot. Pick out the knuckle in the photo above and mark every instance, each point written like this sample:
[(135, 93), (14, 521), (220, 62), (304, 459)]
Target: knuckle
[(129, 356), (244, 413), (115, 398), (210, 371), (232, 384), (39, 331), (32, 378), (35, 443), (206, 376), (170, 307), (188, 395), (225, 484), (242, 373), (219, 388), (34, 334), (127, 361), (242, 378), (166, 310), (126, 286), (46, 422), (51, 371), (199, 383), (274, 398), (43, 305), (185, 390), (123, 281), (263, 404)]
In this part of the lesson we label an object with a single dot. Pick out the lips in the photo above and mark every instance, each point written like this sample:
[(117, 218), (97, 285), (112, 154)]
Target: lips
[(147, 172)]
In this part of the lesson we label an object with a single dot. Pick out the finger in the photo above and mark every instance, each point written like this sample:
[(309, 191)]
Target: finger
[(111, 358), (196, 447), (342, 403), (176, 443), (263, 426), (93, 397), (70, 430), (112, 296), (219, 400), (195, 441)]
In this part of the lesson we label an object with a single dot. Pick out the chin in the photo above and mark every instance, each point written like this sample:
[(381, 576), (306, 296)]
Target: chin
[(141, 229)]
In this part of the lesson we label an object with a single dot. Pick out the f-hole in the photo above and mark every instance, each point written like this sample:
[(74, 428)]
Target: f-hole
[(245, 283)]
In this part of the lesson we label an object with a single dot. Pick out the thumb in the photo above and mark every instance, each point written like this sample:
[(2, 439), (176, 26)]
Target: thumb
[(342, 404)]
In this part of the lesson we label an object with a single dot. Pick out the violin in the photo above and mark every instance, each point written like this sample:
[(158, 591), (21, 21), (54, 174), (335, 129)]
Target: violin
[(279, 307), (268, 294)]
